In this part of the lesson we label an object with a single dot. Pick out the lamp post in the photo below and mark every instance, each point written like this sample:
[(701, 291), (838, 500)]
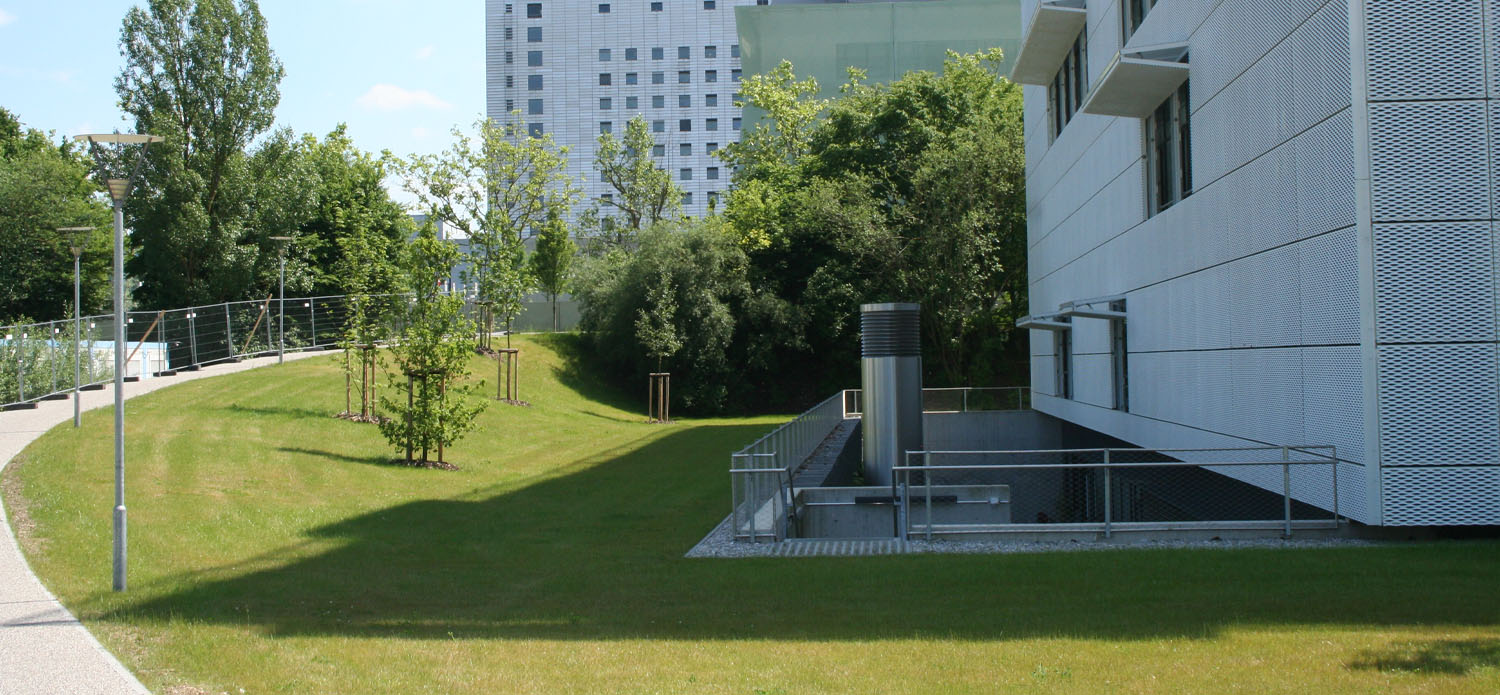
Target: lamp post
[(282, 242), (77, 238), (119, 190)]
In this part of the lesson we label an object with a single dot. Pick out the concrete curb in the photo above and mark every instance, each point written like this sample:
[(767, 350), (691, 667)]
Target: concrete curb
[(43, 648)]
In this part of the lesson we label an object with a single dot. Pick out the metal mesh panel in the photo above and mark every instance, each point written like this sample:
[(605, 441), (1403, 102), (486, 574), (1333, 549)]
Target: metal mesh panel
[(1333, 394), (1434, 282), (1441, 496), (1325, 176), (1429, 161), (1438, 405), (1330, 289), (1321, 65), (1425, 50)]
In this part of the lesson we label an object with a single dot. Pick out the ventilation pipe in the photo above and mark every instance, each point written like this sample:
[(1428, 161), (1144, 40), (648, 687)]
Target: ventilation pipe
[(892, 380)]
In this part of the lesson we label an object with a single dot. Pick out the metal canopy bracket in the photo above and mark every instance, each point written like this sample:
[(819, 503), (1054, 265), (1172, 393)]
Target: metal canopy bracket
[(1045, 322), (1050, 35), (1136, 81)]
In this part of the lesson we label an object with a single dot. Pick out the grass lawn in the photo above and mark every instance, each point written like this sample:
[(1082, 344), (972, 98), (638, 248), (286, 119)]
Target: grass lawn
[(271, 551)]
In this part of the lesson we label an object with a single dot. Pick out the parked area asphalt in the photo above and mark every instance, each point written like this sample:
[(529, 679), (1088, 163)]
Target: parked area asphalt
[(43, 648)]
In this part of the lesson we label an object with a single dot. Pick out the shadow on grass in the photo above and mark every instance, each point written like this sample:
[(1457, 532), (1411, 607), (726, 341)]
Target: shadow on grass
[(292, 412), (385, 460), (1452, 657), (588, 383), (596, 553)]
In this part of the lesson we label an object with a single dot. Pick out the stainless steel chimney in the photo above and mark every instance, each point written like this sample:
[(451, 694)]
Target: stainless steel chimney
[(892, 399)]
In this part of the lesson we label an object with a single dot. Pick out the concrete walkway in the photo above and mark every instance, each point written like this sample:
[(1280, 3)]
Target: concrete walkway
[(43, 648)]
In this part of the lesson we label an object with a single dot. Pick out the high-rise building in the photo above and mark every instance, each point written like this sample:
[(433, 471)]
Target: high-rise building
[(579, 69), (1257, 223)]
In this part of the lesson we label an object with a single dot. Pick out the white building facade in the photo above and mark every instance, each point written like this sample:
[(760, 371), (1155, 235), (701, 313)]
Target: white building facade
[(1273, 222), (578, 69)]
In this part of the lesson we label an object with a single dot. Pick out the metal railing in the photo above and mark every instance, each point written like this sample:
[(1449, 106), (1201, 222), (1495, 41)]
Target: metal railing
[(37, 360), (956, 400), (761, 473), (1109, 490)]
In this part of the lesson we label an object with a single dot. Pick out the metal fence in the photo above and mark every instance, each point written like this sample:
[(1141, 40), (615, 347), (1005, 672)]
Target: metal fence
[(761, 474), (1111, 490)]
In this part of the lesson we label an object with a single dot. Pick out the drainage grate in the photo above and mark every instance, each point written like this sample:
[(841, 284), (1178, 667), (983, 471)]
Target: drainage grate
[(840, 548)]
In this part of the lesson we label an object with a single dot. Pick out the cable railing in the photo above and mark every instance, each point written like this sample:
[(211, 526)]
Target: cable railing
[(957, 494), (968, 399)]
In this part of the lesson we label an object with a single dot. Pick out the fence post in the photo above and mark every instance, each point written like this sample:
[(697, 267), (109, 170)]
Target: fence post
[(228, 331), (966, 400), (1286, 491), (21, 369), (1335, 452), (312, 317), (192, 317), (927, 483), (1108, 508), (52, 351)]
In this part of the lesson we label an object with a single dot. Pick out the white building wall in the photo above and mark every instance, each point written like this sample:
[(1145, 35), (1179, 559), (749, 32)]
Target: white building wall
[(1243, 298), (573, 34)]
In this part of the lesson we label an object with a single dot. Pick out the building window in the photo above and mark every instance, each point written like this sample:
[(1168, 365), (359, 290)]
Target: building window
[(630, 54), (1135, 15), (604, 55), (509, 57), (658, 77), (606, 103), (734, 51), (534, 59), (658, 101), (1119, 358), (658, 150), (710, 51), (510, 33), (533, 34), (534, 129), (687, 198), (658, 126), (713, 199), (710, 75), (685, 174), (510, 105), (605, 79), (656, 7), (510, 81), (684, 100), (534, 83), (1169, 161), (684, 52), (533, 10), (710, 100), (711, 147), (1068, 88), (685, 149), (684, 76), (712, 173), (534, 107), (603, 8), (709, 4), (1062, 343), (607, 197), (734, 75), (736, 122), (657, 53), (606, 127), (710, 124), (631, 78), (632, 102), (685, 125)]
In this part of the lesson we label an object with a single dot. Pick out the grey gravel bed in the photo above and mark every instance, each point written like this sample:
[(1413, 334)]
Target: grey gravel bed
[(719, 543)]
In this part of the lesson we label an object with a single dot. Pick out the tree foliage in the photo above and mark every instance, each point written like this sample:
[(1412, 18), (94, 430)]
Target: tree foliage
[(552, 261), (431, 357), (44, 186), (493, 188), (201, 74), (644, 194)]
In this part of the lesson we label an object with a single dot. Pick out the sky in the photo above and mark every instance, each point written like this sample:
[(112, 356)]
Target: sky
[(400, 73)]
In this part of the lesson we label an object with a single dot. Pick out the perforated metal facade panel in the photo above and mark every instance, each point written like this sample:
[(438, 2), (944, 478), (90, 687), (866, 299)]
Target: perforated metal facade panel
[(1439, 405), (1441, 496), (1429, 161), (1425, 50), (1434, 282)]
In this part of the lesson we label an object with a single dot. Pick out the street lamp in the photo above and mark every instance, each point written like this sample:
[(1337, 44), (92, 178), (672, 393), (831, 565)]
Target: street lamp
[(77, 238), (282, 242), (119, 190)]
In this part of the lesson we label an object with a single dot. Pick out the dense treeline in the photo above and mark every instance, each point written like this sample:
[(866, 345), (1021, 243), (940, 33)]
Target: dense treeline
[(911, 191)]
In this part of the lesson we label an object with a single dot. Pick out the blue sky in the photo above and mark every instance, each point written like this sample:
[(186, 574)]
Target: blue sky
[(399, 73)]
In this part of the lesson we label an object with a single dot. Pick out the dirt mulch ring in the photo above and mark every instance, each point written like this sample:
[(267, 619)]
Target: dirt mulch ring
[(439, 465), (356, 417)]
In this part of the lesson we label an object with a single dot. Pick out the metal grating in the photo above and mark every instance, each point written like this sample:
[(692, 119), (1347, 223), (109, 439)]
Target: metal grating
[(1321, 64), (1330, 289), (1429, 161), (1325, 176), (1434, 282), (1441, 496), (1333, 400), (1438, 405), (1425, 50)]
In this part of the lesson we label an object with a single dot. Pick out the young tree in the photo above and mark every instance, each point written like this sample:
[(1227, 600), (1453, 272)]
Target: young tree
[(493, 189), (552, 260), (201, 74), (431, 358), (655, 324), (644, 194)]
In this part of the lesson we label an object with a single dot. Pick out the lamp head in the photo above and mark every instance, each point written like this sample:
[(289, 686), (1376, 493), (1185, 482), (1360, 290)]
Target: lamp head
[(76, 236)]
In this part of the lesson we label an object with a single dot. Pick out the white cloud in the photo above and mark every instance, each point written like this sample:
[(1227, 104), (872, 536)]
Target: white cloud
[(425, 52), (419, 132), (6, 18), (389, 97)]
